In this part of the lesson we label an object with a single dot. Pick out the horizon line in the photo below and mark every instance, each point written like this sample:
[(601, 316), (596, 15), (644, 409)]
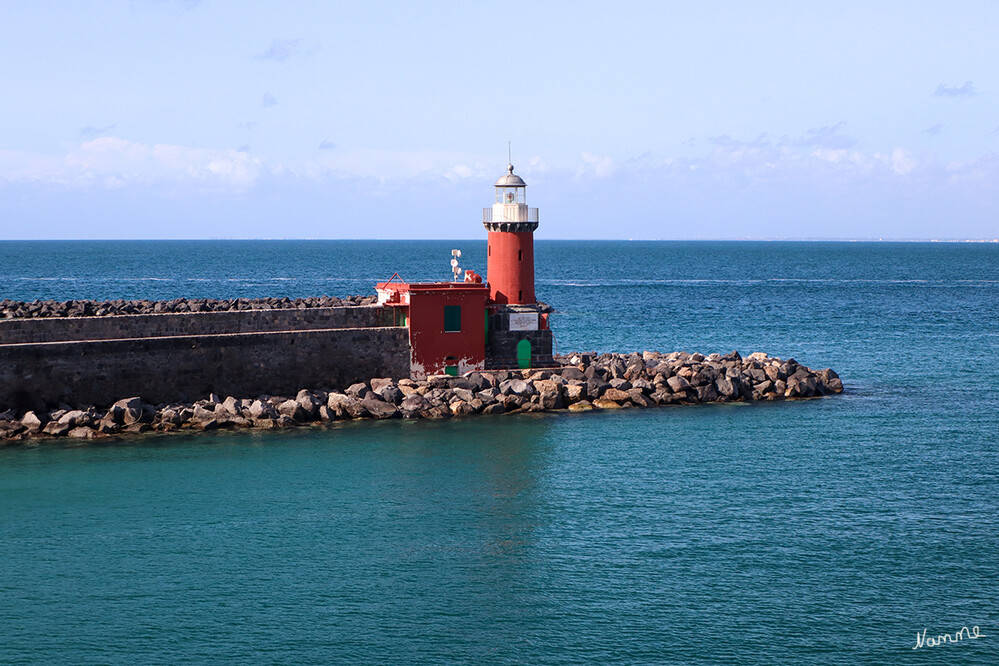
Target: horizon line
[(803, 239)]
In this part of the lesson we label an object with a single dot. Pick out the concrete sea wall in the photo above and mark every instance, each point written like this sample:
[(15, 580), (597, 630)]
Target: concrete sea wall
[(189, 367), (55, 329)]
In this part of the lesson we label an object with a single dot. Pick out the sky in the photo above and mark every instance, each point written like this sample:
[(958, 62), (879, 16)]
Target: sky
[(631, 120)]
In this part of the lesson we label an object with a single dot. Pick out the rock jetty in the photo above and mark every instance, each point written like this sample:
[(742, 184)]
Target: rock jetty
[(84, 308), (582, 382)]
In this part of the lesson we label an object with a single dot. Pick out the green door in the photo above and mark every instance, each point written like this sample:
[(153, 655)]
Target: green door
[(524, 354)]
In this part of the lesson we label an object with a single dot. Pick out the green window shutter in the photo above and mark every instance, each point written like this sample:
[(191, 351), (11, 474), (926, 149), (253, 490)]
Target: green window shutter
[(452, 318)]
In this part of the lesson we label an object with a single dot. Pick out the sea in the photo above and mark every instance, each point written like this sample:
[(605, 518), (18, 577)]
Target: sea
[(828, 531)]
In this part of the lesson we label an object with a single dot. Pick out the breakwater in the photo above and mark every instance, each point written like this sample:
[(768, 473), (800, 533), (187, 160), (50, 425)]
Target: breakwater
[(581, 382), (10, 309)]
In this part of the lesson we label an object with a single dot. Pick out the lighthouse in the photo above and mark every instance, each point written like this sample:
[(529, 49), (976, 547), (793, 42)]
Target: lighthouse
[(511, 225), (463, 326), (518, 331)]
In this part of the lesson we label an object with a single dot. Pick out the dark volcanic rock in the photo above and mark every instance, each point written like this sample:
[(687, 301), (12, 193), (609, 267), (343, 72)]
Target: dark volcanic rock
[(589, 382), (40, 309)]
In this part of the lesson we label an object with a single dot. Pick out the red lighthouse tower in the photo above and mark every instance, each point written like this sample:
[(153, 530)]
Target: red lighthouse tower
[(511, 225), (518, 331)]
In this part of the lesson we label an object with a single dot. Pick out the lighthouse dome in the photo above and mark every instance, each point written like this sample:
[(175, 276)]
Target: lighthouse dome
[(510, 179)]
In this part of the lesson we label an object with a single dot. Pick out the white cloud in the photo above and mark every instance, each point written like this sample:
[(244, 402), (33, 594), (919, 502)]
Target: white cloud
[(115, 163), (902, 162), (595, 166), (387, 165)]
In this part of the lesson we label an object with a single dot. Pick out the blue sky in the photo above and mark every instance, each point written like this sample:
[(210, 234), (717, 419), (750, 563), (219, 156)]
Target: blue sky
[(646, 120)]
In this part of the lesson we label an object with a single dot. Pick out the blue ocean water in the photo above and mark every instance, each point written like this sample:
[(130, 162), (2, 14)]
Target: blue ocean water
[(827, 531)]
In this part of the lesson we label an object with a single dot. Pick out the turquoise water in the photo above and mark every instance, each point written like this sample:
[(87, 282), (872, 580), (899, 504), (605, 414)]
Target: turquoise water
[(827, 531)]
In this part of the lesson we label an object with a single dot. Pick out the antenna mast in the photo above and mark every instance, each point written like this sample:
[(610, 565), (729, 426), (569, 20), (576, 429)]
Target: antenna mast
[(509, 153)]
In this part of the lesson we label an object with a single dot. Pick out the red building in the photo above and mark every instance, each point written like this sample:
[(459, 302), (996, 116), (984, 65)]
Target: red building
[(459, 327), (447, 324)]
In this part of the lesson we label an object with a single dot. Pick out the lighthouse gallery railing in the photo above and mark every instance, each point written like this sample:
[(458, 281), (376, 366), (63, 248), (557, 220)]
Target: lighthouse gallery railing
[(532, 216)]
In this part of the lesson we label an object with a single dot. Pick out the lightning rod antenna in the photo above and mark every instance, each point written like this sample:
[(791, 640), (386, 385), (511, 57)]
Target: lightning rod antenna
[(509, 153)]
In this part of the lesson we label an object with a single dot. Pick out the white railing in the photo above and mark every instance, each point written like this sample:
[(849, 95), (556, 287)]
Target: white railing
[(518, 216)]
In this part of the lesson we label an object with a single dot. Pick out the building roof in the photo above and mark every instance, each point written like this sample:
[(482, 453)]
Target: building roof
[(510, 179)]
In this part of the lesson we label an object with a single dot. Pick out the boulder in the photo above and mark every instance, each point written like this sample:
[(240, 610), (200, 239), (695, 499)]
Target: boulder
[(494, 408), (309, 403), (75, 418), (409, 389), (464, 383), (391, 394), (663, 397), (552, 398), (581, 406), (439, 381), (81, 432), (600, 403), (774, 372), (478, 381), (379, 409), (202, 415), (461, 408), (231, 406), (56, 428), (616, 395), (31, 422), (11, 429), (725, 388), (131, 406), (379, 383), (488, 395), (171, 416), (107, 426), (705, 375), (261, 410), (638, 398), (516, 387), (677, 384), (293, 410), (513, 401), (643, 385), (464, 394), (575, 392), (596, 386), (346, 406), (635, 370), (357, 390), (707, 393)]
